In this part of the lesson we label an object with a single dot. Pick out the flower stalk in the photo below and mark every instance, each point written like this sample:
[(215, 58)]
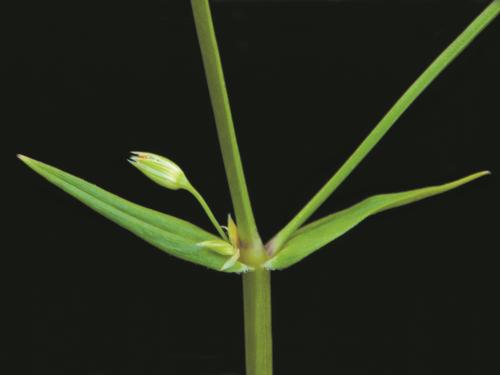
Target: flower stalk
[(166, 173)]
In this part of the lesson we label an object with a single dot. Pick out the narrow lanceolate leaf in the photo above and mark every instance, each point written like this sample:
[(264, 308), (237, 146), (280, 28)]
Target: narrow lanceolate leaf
[(390, 118), (319, 233), (174, 236)]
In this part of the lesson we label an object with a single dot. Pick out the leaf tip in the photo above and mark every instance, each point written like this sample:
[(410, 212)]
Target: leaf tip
[(26, 160), (478, 175), (23, 158)]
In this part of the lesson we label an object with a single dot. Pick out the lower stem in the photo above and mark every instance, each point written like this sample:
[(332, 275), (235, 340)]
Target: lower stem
[(257, 315)]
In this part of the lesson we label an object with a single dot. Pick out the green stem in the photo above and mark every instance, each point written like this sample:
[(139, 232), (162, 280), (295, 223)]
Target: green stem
[(257, 310), (207, 210), (247, 228), (257, 284), (436, 67)]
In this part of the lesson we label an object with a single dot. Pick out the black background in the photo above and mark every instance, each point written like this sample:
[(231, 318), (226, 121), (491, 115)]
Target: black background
[(403, 293)]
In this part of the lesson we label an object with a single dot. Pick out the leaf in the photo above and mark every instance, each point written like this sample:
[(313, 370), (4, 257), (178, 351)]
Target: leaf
[(319, 233), (384, 125), (174, 236)]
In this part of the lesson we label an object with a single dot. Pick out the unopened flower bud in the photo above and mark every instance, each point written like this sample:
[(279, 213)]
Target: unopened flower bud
[(160, 169)]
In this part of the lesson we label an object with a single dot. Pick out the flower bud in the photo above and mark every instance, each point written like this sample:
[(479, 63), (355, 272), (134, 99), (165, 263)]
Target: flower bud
[(161, 170)]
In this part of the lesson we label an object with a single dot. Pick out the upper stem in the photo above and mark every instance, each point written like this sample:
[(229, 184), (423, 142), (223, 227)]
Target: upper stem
[(225, 128), (412, 93)]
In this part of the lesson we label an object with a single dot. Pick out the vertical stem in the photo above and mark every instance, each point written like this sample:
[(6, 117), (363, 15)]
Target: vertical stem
[(257, 310), (257, 284), (225, 128)]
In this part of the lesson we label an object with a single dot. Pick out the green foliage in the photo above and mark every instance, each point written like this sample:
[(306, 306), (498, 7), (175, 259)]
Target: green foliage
[(244, 250), (389, 119), (170, 234), (314, 236)]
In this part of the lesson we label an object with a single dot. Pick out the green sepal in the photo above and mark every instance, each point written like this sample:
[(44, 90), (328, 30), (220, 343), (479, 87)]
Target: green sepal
[(174, 236), (317, 234)]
